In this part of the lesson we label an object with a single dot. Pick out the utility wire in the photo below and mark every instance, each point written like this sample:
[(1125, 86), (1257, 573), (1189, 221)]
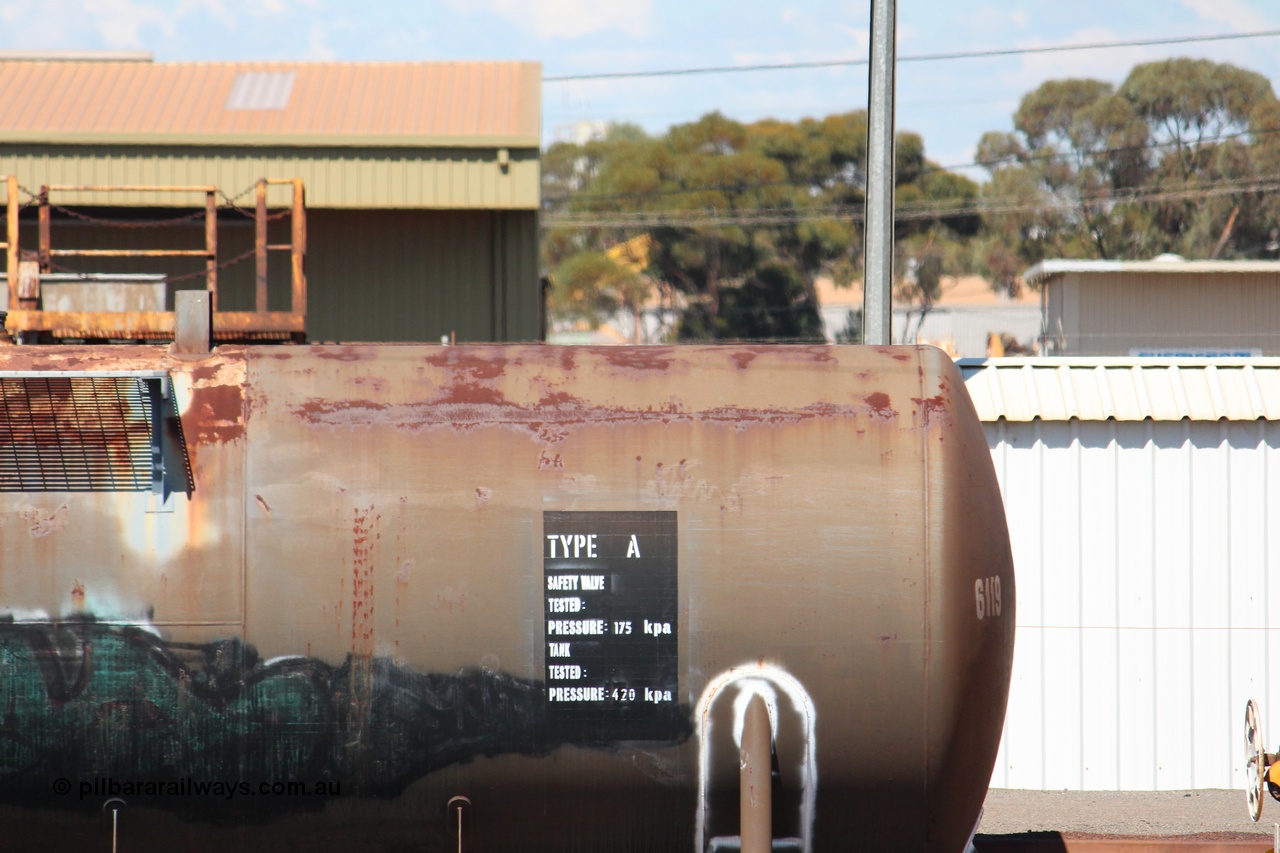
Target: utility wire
[(919, 57), (923, 211), (926, 169)]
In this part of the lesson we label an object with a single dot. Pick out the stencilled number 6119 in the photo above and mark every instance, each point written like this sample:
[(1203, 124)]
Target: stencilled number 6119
[(986, 593)]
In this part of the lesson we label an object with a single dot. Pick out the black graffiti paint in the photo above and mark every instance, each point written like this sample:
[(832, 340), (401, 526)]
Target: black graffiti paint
[(82, 700)]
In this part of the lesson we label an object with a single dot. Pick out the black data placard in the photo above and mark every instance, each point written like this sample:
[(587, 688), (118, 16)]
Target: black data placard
[(610, 617)]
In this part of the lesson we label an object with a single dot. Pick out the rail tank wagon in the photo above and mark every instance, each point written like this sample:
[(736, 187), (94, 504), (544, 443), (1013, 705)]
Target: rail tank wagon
[(392, 598)]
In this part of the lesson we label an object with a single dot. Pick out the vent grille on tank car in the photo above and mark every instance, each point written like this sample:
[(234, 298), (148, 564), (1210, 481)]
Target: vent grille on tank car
[(90, 434)]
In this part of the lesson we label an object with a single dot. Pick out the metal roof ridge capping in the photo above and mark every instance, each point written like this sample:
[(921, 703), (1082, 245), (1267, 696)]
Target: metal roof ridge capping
[(271, 103), (1159, 266), (1123, 388), (76, 56)]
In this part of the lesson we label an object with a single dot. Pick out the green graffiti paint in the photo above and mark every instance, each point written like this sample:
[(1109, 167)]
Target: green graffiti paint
[(81, 700)]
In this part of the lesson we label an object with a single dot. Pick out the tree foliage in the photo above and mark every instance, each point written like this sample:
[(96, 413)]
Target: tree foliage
[(590, 285), (736, 217), (1097, 171), (740, 219)]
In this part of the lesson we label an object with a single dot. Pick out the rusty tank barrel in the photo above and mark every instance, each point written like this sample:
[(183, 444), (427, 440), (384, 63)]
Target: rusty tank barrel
[(497, 598)]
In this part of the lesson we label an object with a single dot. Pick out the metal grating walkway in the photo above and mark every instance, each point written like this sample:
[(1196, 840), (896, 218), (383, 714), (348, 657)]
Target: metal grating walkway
[(75, 434)]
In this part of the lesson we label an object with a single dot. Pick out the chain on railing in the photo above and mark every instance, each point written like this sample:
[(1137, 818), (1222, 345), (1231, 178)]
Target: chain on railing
[(24, 277)]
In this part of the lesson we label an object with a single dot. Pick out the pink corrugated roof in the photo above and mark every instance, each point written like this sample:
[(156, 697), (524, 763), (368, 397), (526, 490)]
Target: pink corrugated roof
[(436, 103)]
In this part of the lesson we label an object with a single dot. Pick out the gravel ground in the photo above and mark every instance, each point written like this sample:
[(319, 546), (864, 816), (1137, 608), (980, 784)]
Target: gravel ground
[(1139, 813)]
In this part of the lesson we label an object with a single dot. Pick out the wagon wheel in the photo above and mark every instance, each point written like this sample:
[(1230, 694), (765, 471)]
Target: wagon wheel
[(1255, 760)]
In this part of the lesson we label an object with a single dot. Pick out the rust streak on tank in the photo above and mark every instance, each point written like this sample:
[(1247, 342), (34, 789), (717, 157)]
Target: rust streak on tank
[(639, 358), (216, 414), (895, 353), (329, 412), (462, 359), (558, 399), (815, 352), (880, 404), (75, 357), (472, 393), (744, 354), (339, 353), (931, 407), (364, 536), (568, 358), (376, 384), (480, 406)]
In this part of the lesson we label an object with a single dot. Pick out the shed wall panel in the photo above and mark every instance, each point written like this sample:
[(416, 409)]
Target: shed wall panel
[(421, 275), (411, 275), (1099, 698), (369, 178), (1161, 536), (1108, 313)]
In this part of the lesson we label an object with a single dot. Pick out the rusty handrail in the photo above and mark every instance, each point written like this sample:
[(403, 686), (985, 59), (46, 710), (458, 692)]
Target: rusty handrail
[(138, 188), (127, 253), (297, 245), (11, 243), (209, 253), (23, 300)]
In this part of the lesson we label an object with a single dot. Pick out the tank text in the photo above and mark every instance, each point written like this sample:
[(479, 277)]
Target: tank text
[(577, 546), (574, 627), (576, 694), (986, 593)]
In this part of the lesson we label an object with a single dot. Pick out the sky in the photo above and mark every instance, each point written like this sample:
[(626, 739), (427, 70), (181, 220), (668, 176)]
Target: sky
[(950, 103)]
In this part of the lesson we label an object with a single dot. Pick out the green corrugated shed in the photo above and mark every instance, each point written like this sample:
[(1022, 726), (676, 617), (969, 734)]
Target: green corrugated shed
[(372, 178), (372, 275), (422, 181)]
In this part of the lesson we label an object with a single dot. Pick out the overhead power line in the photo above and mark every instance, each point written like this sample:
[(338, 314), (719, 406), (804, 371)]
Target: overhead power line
[(919, 57), (745, 186), (764, 216)]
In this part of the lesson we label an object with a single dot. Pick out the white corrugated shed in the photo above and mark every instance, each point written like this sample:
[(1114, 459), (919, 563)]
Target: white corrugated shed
[(1143, 499), (1095, 389), (1167, 305)]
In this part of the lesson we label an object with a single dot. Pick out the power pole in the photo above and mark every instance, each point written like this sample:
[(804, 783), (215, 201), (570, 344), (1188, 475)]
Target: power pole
[(877, 266)]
